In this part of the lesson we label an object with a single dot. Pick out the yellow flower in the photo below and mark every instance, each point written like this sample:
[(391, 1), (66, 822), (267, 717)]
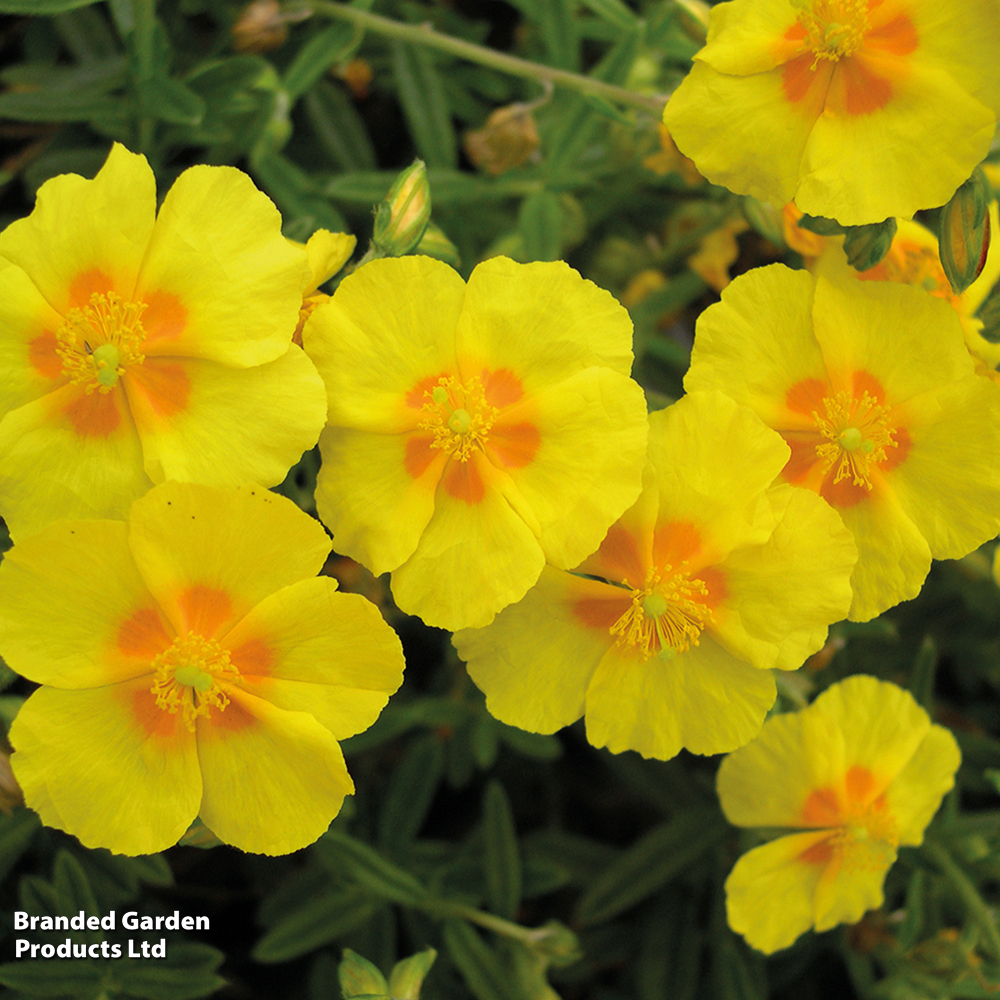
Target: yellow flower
[(326, 254), (861, 771), (668, 637), (857, 109), (143, 346), (871, 386), (192, 665), (474, 431)]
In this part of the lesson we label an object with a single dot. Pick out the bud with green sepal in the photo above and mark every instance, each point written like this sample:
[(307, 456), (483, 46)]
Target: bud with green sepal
[(408, 974), (402, 216), (866, 245), (964, 231), (360, 978)]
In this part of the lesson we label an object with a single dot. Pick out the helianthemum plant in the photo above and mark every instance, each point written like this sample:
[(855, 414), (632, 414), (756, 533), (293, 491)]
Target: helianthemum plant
[(191, 664), (140, 346), (475, 431)]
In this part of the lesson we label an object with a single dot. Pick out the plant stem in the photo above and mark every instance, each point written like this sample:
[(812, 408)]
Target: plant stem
[(976, 906), (424, 34)]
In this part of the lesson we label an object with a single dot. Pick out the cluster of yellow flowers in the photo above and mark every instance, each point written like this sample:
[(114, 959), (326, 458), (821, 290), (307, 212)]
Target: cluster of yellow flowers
[(484, 443)]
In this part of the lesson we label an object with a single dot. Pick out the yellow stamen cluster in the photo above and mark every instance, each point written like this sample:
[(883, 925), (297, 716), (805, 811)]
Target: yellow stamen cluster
[(666, 616), (867, 840), (834, 29), (187, 675), (459, 416), (98, 341), (858, 433)]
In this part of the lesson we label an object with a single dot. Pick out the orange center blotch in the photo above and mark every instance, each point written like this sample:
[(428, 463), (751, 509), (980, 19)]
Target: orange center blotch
[(143, 634), (514, 447), (165, 320), (43, 357), (164, 388), (95, 415), (204, 610)]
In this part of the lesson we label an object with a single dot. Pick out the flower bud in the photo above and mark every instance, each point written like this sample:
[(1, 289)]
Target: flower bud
[(402, 216), (261, 27), (407, 975), (359, 977), (866, 245), (435, 244), (964, 231)]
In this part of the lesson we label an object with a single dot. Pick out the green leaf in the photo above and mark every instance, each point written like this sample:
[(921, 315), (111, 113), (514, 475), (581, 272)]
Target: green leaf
[(59, 106), (76, 978), (989, 313), (651, 863), (187, 972), (294, 191), (924, 668), (359, 977), (340, 853), (425, 106), (73, 891), (41, 6), (481, 968), (17, 830), (332, 45), (37, 896), (739, 972), (537, 745), (558, 27), (314, 924), (612, 11), (540, 224), (502, 858), (669, 959), (339, 128), (821, 226), (410, 792), (171, 101)]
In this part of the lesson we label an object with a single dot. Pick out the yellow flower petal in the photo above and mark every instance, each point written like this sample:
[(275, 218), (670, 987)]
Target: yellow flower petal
[(473, 558), (204, 422), (389, 329), (595, 413), (98, 643), (543, 320), (327, 253), (917, 790), (376, 507), (68, 455), (273, 779), (309, 649), (191, 546), (534, 661), (789, 590), (76, 752), (703, 699), (81, 227), (741, 37), (218, 263)]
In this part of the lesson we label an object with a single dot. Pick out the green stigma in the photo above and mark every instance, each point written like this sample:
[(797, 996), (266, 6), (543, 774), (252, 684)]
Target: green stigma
[(851, 438), (106, 361), (653, 605), (460, 421), (192, 676)]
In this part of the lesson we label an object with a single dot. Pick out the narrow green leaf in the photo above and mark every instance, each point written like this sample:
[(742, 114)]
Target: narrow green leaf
[(188, 972), (556, 20), (339, 128), (58, 106), (410, 792), (481, 969), (171, 101), (73, 890), (41, 6), (17, 830), (924, 668), (340, 854), (86, 34), (606, 109), (485, 742), (653, 862), (912, 926), (989, 313), (293, 190), (77, 978), (739, 972), (332, 45), (425, 106), (502, 858), (613, 11), (540, 222), (318, 922), (539, 746), (37, 896)]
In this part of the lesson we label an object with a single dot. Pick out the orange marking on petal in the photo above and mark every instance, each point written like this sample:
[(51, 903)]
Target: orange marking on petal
[(419, 454), (857, 89), (516, 446), (806, 397), (164, 320), (144, 634), (501, 387), (715, 582), (253, 658), (150, 716), (863, 381), (416, 397), (204, 609), (601, 613), (860, 783), (822, 808), (464, 481), (675, 542), (896, 456), (819, 853), (43, 357), (802, 459), (165, 387), (898, 37), (619, 558), (845, 493), (96, 414), (86, 284), (232, 719), (799, 80)]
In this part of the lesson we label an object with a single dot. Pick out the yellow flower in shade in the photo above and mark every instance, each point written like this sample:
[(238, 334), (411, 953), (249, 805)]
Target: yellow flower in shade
[(870, 384), (192, 665), (666, 636), (860, 772), (141, 346), (475, 431), (857, 109)]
